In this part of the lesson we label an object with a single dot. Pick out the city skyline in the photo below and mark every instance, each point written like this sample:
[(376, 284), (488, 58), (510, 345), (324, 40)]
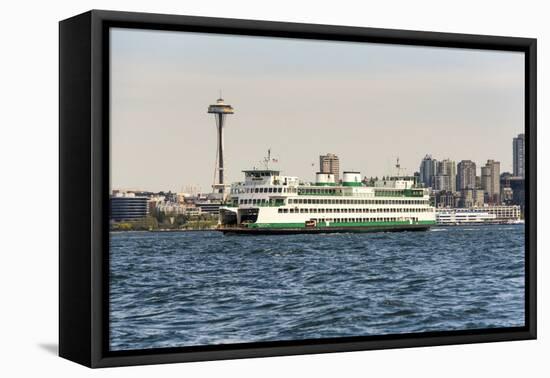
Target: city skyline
[(366, 103)]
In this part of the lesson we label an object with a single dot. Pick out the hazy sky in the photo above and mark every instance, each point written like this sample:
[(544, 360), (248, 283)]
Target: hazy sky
[(367, 103)]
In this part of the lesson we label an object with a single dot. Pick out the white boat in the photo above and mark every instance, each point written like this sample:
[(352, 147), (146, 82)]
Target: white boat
[(270, 203)]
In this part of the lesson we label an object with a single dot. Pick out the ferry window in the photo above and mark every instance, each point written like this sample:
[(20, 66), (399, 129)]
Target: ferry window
[(270, 190), (279, 190)]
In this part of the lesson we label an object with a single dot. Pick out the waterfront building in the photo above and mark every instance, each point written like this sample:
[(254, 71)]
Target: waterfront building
[(128, 206), (330, 163), (466, 175), (504, 213), (209, 207), (174, 208), (490, 181), (427, 171), (445, 179), (484, 214), (519, 155), (153, 202), (463, 216)]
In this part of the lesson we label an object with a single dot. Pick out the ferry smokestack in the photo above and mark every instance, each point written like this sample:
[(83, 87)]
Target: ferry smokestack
[(220, 111)]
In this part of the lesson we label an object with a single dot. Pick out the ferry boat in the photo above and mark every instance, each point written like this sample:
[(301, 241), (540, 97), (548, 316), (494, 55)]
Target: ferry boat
[(495, 214), (270, 203)]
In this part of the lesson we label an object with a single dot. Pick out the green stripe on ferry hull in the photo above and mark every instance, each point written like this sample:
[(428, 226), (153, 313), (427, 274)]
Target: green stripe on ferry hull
[(279, 230), (339, 224)]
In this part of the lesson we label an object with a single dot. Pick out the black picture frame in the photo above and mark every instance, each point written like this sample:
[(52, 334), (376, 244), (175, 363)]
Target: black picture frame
[(84, 186)]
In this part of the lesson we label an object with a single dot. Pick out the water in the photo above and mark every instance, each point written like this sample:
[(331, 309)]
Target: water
[(202, 288)]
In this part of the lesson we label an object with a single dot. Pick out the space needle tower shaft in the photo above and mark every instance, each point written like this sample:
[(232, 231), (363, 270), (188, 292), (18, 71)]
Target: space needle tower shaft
[(220, 110)]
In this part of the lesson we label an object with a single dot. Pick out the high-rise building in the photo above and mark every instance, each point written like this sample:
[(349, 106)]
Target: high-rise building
[(472, 198), (427, 171), (516, 185), (441, 183), (445, 179), (466, 175), (446, 199), (490, 181), (519, 155), (330, 163)]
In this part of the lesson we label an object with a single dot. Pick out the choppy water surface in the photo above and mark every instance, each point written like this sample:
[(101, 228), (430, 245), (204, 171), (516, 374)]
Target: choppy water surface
[(200, 288)]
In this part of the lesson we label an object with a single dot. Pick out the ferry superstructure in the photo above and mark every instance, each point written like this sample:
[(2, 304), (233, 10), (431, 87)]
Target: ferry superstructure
[(268, 202)]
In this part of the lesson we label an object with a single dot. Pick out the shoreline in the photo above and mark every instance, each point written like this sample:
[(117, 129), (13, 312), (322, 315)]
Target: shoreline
[(216, 229)]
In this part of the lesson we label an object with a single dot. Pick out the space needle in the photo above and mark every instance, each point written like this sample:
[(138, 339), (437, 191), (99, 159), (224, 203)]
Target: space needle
[(220, 110)]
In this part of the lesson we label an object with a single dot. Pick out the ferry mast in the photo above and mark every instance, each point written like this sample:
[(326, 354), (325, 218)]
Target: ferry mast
[(220, 110)]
